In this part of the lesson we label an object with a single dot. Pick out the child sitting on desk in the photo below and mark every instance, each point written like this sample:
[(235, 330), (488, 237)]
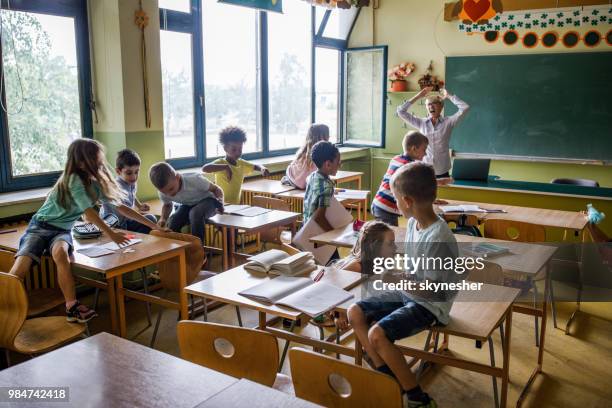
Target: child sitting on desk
[(301, 167), (230, 171), (198, 198), (127, 166), (380, 320), (85, 181)]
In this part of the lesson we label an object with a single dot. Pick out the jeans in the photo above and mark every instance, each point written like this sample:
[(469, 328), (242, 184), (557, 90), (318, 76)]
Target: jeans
[(135, 226), (194, 215)]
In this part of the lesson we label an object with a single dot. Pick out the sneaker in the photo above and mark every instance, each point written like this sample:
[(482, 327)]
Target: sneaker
[(80, 313), (425, 401)]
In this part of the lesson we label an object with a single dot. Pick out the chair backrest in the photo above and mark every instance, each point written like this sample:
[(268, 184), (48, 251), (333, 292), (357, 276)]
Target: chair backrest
[(492, 273), (271, 203), (236, 351), (194, 254), (7, 259), (514, 230), (576, 182), (335, 383), (13, 308)]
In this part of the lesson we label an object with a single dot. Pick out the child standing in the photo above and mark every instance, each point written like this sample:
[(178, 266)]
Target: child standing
[(301, 167), (198, 198), (319, 187), (384, 206), (85, 181), (127, 166), (399, 314), (230, 171)]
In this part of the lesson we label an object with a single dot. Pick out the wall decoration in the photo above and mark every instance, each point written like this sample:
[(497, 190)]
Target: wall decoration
[(398, 74), (142, 20), (431, 80), (477, 11), (266, 5)]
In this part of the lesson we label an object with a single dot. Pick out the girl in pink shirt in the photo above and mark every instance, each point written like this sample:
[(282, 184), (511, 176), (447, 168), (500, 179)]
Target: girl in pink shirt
[(302, 166)]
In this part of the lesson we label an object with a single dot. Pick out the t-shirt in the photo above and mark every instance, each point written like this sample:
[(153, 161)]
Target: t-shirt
[(384, 198), (130, 199), (194, 188), (232, 189), (53, 213), (434, 242), (299, 170), (319, 191)]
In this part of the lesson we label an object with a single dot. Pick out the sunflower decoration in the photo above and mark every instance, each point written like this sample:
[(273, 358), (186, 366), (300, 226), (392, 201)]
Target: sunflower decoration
[(141, 19)]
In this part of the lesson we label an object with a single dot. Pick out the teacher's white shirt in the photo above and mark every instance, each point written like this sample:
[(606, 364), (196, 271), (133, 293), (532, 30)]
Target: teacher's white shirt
[(439, 135)]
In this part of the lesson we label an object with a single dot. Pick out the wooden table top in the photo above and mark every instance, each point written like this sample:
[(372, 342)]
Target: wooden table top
[(10, 240), (344, 174), (108, 371), (345, 237), (249, 394), (573, 220), (225, 286), (270, 219), (265, 186), (341, 194)]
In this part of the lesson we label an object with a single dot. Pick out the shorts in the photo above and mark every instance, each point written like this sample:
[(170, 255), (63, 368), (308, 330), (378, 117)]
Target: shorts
[(397, 314), (40, 237), (385, 216)]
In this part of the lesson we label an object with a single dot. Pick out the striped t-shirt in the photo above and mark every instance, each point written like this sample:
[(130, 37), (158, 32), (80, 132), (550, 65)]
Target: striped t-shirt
[(384, 198)]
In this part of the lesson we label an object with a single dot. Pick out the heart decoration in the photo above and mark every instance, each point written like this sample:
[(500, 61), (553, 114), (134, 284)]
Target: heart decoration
[(476, 9)]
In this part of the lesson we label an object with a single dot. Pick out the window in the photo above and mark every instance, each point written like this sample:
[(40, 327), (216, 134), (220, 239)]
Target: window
[(327, 76), (230, 73), (340, 23), (289, 74), (46, 86), (176, 5)]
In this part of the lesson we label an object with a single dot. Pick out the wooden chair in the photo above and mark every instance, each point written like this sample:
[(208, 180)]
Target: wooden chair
[(273, 234), (40, 300), (236, 351), (168, 275), (334, 383), (518, 231), (32, 336)]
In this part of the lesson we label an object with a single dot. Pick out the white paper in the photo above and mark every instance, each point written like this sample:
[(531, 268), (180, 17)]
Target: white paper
[(275, 289), (316, 299), (232, 208), (95, 251), (113, 246), (461, 208), (252, 211)]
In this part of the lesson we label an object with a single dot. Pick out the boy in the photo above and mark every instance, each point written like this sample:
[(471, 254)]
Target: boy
[(127, 166), (230, 171), (197, 197), (399, 314), (319, 187), (384, 207)]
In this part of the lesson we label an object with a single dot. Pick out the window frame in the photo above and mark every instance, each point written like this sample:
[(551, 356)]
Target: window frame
[(76, 9)]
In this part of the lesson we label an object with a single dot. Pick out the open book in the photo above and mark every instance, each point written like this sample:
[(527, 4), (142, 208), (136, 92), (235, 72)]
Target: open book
[(279, 262), (303, 294), (467, 208), (244, 210)]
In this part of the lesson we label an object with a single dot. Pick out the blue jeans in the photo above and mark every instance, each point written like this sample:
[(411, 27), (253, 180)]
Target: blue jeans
[(194, 215), (40, 237), (397, 314), (135, 226)]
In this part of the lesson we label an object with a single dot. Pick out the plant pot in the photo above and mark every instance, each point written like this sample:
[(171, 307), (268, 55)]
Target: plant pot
[(399, 86)]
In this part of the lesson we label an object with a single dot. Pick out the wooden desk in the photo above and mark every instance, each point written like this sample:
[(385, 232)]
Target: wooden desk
[(265, 186), (224, 287), (359, 197), (249, 394), (230, 223), (346, 238), (10, 241), (150, 251), (107, 371), (343, 176)]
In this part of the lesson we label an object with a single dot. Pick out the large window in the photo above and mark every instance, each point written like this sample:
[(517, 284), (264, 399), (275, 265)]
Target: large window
[(45, 89), (327, 80)]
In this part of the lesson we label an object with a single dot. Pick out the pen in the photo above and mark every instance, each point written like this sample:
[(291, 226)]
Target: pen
[(319, 275)]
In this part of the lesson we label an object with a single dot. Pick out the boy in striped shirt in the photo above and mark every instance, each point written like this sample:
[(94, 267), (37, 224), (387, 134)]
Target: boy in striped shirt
[(384, 206)]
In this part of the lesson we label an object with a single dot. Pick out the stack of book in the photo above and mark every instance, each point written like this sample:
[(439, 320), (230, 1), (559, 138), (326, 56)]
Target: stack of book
[(277, 262)]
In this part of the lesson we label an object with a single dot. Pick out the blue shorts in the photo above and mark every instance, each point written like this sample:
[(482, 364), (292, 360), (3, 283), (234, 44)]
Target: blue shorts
[(397, 314), (40, 237)]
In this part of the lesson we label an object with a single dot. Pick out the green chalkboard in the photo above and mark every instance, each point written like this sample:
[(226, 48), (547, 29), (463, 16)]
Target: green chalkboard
[(537, 105)]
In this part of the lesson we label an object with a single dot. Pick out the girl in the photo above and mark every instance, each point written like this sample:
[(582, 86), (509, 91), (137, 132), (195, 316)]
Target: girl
[(85, 182), (302, 166), (376, 240)]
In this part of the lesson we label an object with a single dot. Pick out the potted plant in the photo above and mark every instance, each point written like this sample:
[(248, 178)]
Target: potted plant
[(428, 79), (398, 74)]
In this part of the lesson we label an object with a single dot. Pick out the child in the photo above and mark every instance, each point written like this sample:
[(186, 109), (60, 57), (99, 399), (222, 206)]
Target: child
[(384, 207), (301, 167), (376, 239), (86, 181), (197, 197), (319, 187), (399, 314), (230, 171), (127, 166)]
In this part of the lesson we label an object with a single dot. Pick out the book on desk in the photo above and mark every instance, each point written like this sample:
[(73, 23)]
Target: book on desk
[(277, 262)]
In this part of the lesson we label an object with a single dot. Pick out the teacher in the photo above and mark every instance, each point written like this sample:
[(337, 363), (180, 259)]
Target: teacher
[(435, 127)]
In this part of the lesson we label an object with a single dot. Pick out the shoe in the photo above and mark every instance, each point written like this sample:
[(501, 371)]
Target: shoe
[(80, 313), (425, 401)]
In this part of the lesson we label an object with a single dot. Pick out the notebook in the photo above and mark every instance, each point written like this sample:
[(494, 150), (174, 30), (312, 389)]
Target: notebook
[(467, 208), (486, 249), (245, 210), (303, 294), (113, 246), (279, 262)]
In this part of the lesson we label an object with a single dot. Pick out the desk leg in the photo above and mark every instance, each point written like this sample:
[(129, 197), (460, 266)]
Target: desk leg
[(579, 298), (232, 246), (506, 352), (358, 352), (224, 248), (262, 321), (182, 284), (121, 306), (112, 302)]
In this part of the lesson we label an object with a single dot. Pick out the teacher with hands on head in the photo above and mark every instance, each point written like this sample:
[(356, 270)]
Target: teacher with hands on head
[(435, 127)]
